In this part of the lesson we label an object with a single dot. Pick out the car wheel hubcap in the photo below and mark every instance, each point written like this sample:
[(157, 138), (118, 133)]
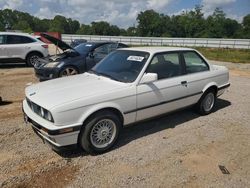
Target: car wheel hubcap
[(208, 102), (103, 133), (34, 59), (69, 72)]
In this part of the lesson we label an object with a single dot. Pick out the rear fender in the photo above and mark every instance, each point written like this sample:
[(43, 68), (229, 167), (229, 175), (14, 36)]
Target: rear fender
[(211, 84)]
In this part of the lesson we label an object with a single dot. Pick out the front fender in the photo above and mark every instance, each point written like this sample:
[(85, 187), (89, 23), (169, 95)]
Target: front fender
[(98, 107)]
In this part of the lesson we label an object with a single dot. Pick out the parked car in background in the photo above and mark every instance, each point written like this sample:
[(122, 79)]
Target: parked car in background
[(73, 60), (76, 42), (129, 85), (21, 47)]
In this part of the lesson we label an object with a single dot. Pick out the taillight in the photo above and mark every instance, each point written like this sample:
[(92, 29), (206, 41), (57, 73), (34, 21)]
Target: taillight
[(45, 45)]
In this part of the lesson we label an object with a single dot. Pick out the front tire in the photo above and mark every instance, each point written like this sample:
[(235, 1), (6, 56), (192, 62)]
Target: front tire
[(100, 132), (206, 103), (68, 71)]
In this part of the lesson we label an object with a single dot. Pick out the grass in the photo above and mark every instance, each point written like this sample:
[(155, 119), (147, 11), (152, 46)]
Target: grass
[(223, 54), (228, 55)]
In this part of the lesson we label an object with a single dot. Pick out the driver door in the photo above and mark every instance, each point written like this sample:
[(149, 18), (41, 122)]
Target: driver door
[(166, 93)]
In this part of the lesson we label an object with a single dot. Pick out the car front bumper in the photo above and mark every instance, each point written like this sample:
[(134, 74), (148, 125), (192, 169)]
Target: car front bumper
[(46, 73), (56, 137)]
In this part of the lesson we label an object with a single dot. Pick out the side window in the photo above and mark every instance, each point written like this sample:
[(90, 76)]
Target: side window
[(120, 45), (113, 47), (194, 63), (104, 49), (14, 39), (2, 39), (166, 65)]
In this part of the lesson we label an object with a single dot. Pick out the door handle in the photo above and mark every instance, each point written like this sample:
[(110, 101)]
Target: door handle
[(184, 83)]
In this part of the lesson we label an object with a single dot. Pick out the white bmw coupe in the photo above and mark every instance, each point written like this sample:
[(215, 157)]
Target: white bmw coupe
[(128, 86)]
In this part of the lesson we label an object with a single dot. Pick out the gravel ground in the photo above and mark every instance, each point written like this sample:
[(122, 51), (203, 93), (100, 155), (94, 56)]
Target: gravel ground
[(178, 150)]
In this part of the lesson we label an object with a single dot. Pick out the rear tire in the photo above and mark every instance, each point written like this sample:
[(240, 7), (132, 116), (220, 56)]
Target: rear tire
[(206, 103), (32, 58), (100, 132)]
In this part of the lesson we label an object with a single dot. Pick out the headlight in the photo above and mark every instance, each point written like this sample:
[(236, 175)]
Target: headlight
[(45, 114), (48, 116), (40, 111), (52, 64)]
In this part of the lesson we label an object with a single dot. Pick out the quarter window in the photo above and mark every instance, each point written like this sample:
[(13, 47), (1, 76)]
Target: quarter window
[(27, 40), (165, 65), (194, 63)]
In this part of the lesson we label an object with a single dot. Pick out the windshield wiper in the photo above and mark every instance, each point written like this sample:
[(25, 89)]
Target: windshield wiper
[(108, 76), (102, 74)]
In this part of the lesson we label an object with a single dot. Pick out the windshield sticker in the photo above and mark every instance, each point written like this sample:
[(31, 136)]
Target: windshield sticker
[(88, 45), (135, 58)]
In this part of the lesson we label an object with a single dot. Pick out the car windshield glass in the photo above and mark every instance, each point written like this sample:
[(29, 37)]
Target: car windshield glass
[(121, 65), (84, 48)]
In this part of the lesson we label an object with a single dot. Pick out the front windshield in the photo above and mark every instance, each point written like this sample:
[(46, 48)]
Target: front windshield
[(121, 65), (84, 48)]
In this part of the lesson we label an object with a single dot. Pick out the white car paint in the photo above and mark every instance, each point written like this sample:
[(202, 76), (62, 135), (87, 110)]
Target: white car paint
[(72, 100), (20, 51)]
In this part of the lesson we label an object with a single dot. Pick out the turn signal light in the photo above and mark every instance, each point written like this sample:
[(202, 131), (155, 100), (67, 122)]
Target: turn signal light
[(66, 130), (45, 45)]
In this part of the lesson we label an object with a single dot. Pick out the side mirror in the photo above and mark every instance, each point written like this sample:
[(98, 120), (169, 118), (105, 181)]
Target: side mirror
[(91, 55), (148, 77)]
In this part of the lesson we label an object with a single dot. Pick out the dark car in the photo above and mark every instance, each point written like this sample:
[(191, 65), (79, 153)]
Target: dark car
[(76, 42), (73, 60)]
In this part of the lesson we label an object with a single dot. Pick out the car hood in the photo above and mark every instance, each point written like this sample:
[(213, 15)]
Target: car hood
[(62, 45), (58, 57), (57, 92)]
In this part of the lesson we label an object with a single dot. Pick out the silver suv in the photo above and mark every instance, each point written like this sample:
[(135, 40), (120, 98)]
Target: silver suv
[(19, 47)]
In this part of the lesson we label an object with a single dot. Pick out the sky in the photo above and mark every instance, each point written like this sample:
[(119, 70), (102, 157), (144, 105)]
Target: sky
[(122, 13)]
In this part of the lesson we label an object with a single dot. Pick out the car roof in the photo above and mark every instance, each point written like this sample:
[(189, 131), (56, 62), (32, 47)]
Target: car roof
[(154, 50), (101, 42), (21, 34), (15, 33)]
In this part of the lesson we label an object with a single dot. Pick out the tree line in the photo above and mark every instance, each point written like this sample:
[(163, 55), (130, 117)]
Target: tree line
[(149, 24)]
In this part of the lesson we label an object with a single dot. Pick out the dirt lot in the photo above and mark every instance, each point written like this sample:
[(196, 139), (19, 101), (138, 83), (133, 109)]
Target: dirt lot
[(177, 150)]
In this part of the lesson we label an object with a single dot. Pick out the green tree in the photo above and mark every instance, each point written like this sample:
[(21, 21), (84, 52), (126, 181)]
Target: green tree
[(41, 25), (73, 26), (59, 24), (132, 31), (2, 28), (114, 31), (23, 26), (8, 18), (246, 26), (85, 30), (150, 23), (215, 24), (123, 32), (102, 28), (177, 29), (231, 28)]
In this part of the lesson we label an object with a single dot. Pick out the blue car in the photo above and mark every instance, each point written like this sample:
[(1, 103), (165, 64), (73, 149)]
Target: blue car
[(76, 42), (73, 60)]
